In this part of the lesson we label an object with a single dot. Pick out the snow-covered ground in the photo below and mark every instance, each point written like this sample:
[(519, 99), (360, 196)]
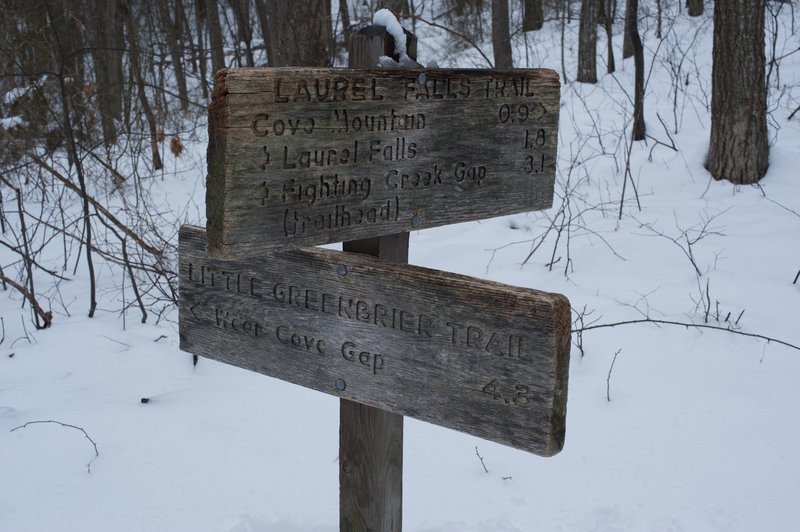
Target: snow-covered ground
[(700, 432)]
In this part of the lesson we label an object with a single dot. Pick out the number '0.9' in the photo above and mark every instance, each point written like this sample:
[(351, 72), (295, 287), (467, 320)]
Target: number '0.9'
[(519, 115)]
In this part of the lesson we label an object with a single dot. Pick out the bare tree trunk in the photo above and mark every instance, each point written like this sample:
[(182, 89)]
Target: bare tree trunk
[(200, 18), (739, 147), (241, 10), (398, 7), (186, 34), (214, 36), (608, 9), (171, 32), (344, 17), (587, 43), (263, 21), (694, 7), (532, 15), (563, 18), (501, 38), (638, 57), (303, 30), (627, 43), (107, 59), (659, 16), (138, 78)]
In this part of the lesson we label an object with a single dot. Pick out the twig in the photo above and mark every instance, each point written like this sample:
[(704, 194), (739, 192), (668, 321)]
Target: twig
[(687, 325), (480, 458), (608, 379), (658, 142), (94, 444), (27, 258), (98, 206), (116, 341), (133, 279), (26, 336), (580, 319)]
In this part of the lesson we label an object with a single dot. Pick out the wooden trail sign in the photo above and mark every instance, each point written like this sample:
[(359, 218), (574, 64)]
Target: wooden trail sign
[(477, 356), (301, 157)]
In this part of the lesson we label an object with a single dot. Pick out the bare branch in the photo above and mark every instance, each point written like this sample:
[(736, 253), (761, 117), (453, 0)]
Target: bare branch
[(687, 325), (67, 425)]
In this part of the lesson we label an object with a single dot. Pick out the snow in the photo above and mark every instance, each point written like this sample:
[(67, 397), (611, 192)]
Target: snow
[(15, 94), (11, 97), (700, 432), (384, 17), (11, 122)]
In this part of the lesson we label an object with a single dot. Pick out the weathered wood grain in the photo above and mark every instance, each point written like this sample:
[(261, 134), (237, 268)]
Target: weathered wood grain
[(480, 357), (371, 439), (302, 156)]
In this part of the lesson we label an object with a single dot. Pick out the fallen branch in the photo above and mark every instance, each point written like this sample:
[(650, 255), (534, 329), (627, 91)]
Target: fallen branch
[(46, 316)]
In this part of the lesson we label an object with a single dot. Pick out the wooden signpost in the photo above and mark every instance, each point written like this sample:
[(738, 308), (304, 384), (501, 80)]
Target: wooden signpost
[(305, 156), (480, 357)]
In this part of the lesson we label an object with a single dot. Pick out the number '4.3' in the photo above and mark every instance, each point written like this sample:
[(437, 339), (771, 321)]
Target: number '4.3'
[(518, 394)]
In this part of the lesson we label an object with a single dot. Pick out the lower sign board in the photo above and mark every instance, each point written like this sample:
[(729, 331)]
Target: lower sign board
[(306, 156), (476, 356)]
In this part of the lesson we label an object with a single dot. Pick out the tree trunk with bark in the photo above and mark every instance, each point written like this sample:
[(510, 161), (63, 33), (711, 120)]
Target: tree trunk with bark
[(638, 58), (200, 22), (627, 43), (532, 15), (241, 11), (302, 31), (214, 36), (138, 78), (695, 7), (587, 43), (607, 11), (107, 60), (659, 17), (398, 7), (172, 34), (263, 22), (501, 37), (344, 17), (739, 147)]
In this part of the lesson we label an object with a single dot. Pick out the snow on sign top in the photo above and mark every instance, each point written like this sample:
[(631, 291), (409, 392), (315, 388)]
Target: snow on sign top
[(384, 17), (308, 156)]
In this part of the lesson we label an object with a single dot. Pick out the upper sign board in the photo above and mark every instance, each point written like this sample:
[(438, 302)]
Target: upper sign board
[(480, 357), (307, 156)]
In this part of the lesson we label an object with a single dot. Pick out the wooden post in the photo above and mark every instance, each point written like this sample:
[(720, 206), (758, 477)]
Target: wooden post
[(371, 439)]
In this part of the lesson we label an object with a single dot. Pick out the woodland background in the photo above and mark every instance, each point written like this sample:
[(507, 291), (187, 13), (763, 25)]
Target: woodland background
[(673, 232)]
